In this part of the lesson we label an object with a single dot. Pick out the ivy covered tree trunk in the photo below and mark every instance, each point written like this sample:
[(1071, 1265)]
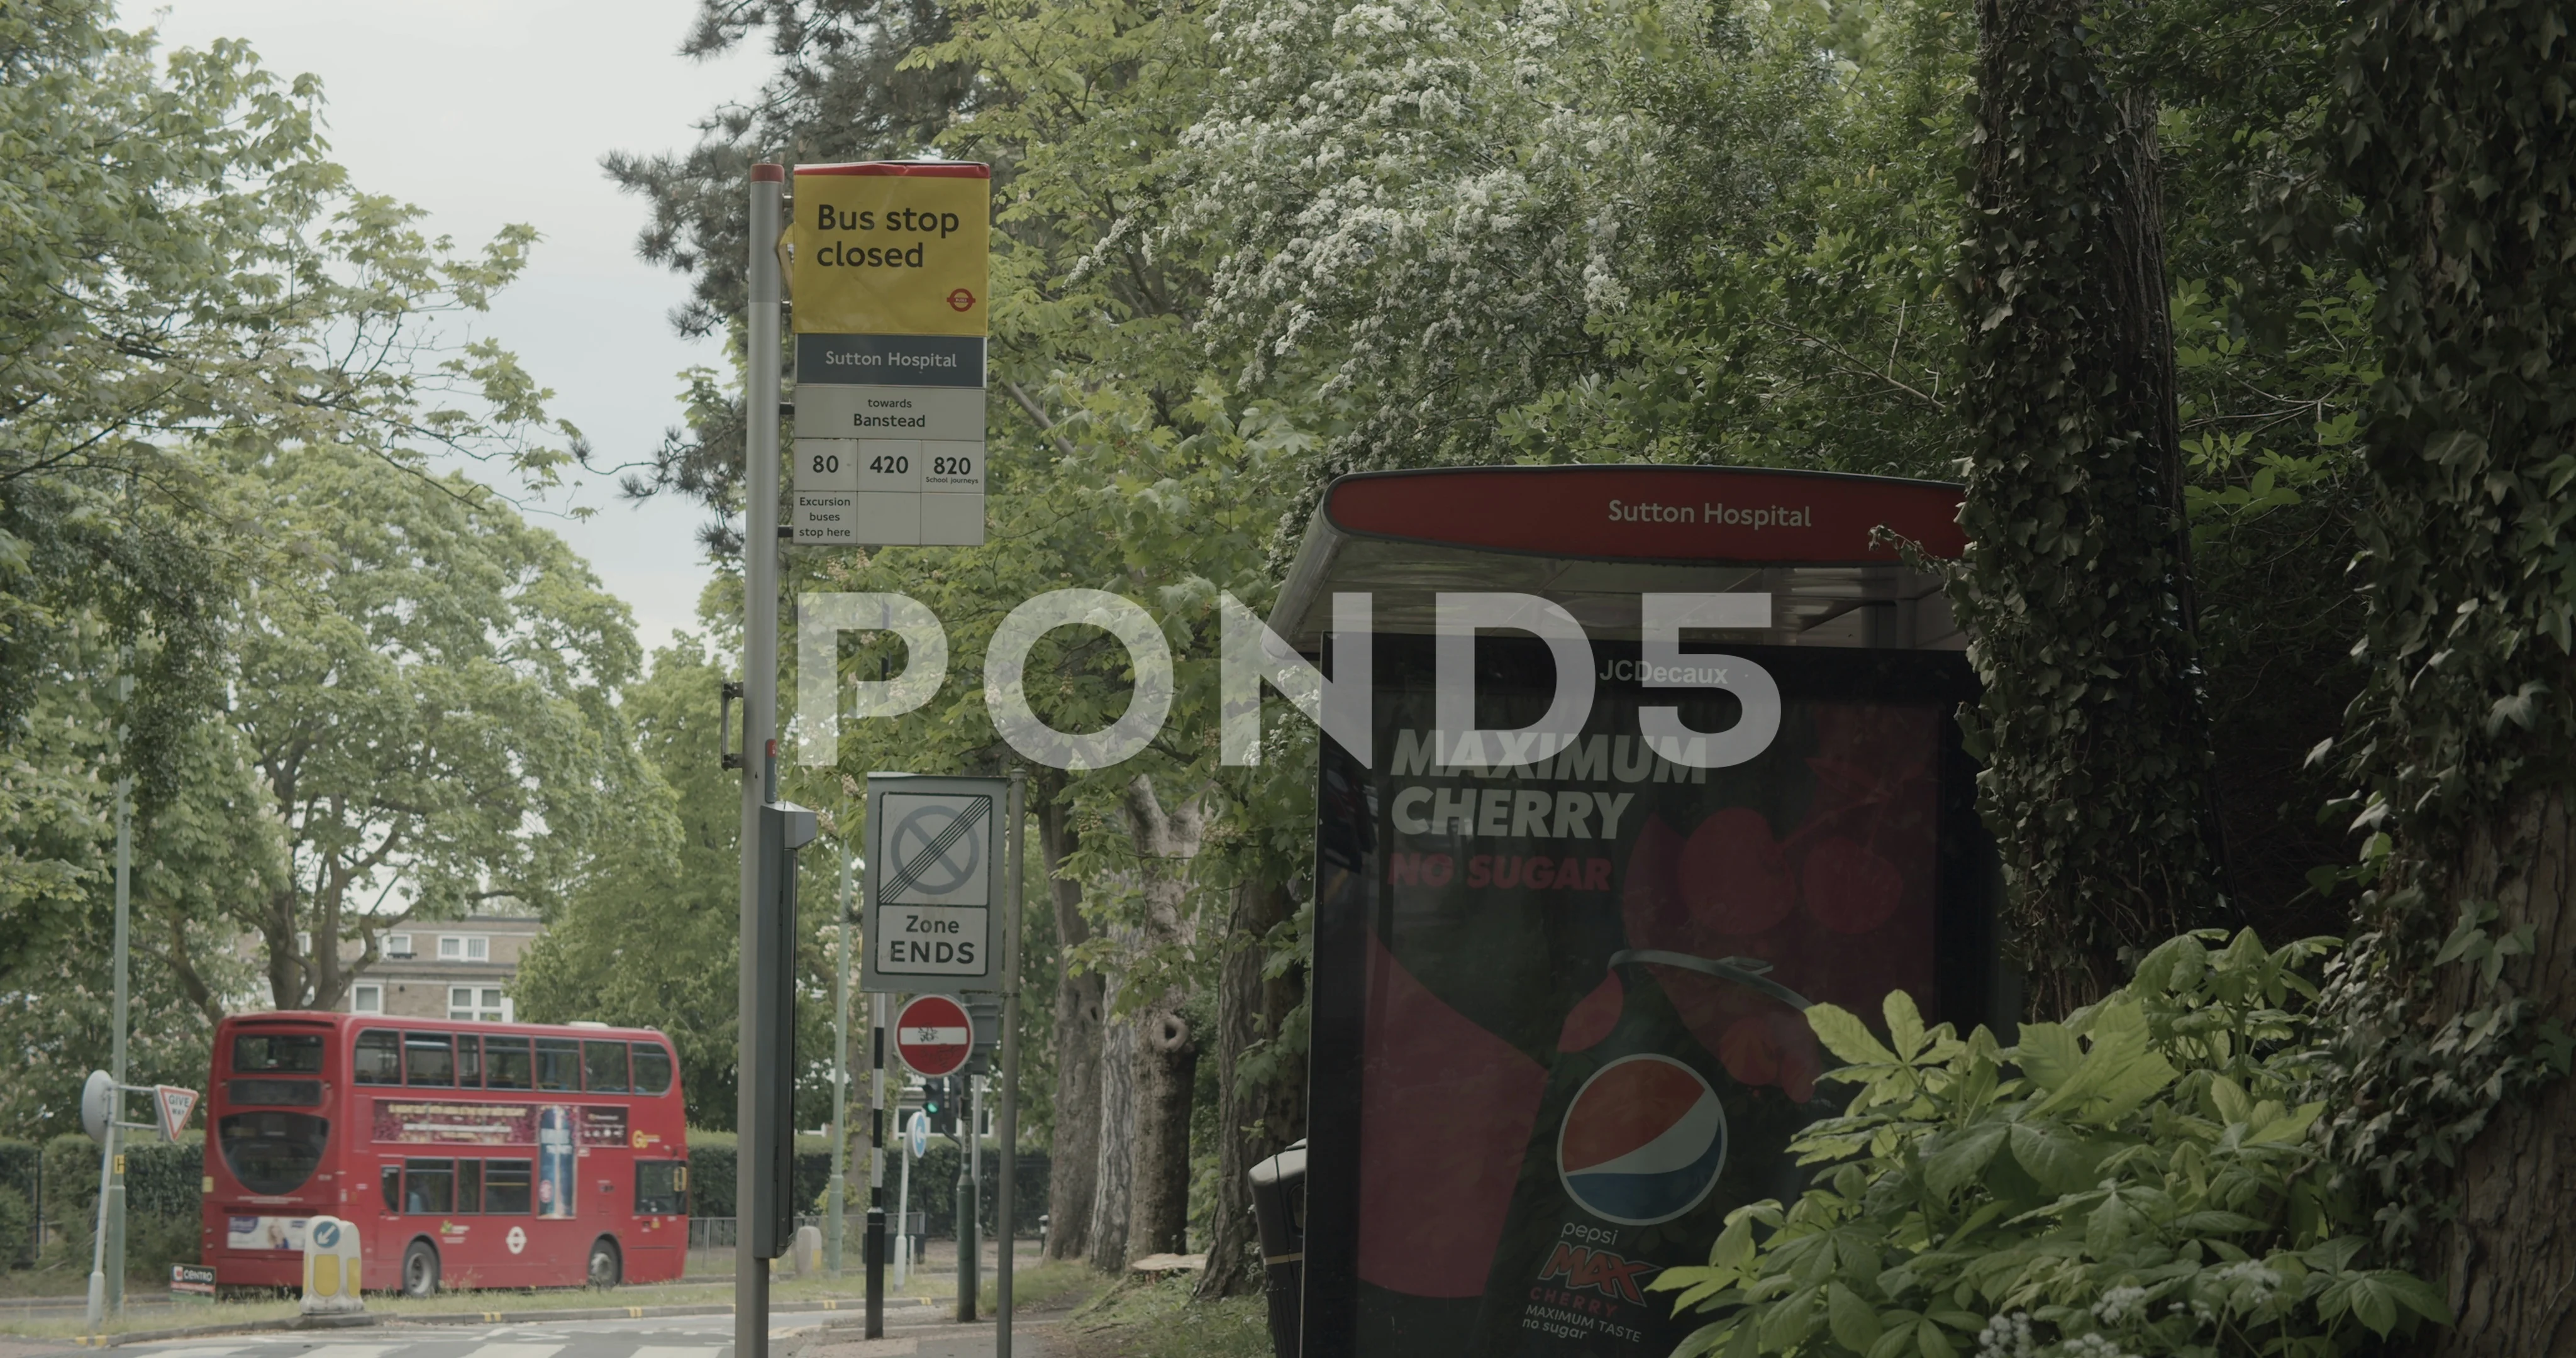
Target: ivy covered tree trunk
[(2076, 586), (2460, 991), (1261, 1084)]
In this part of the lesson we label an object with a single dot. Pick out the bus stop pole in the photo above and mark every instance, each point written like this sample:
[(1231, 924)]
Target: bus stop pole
[(875, 1245), (1010, 1128), (760, 724)]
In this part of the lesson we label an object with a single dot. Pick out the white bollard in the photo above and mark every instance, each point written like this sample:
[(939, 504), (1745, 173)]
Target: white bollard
[(331, 1276)]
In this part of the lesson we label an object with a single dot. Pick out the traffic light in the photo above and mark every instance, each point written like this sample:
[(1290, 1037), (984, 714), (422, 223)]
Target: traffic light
[(935, 1102)]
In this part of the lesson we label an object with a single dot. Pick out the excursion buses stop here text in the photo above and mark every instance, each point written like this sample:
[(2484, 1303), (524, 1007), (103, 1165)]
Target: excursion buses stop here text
[(467, 1154)]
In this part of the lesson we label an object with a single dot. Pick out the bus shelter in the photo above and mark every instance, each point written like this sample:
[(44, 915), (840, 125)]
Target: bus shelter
[(1557, 1002)]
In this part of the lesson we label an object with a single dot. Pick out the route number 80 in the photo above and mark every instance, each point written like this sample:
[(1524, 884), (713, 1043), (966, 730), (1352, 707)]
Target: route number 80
[(827, 462)]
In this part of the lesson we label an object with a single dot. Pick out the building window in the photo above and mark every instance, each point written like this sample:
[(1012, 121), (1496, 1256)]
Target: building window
[(485, 1004), (464, 948), (397, 945), (367, 999)]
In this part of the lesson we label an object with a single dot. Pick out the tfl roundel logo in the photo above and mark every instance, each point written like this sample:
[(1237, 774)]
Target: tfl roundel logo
[(1643, 1141)]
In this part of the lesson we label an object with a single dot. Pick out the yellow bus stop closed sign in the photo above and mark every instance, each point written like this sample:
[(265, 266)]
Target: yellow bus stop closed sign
[(892, 248)]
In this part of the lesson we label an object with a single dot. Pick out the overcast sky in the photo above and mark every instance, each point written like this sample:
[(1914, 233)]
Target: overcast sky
[(485, 112)]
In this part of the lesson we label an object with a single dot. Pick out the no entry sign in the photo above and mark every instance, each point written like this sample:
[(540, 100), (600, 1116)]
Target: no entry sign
[(934, 1036)]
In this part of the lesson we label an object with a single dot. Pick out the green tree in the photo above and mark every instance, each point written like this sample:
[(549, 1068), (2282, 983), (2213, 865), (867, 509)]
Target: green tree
[(184, 266), (652, 936), (430, 704)]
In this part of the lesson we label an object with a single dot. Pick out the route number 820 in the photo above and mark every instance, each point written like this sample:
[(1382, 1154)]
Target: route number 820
[(952, 466)]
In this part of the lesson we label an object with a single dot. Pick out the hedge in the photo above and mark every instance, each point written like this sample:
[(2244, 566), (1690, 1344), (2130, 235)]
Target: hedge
[(22, 1171), (162, 1199)]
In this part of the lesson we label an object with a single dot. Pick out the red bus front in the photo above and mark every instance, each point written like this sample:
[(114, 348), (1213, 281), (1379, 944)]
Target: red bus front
[(467, 1154)]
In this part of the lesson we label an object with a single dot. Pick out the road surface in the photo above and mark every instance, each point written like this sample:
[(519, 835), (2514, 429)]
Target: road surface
[(912, 1332)]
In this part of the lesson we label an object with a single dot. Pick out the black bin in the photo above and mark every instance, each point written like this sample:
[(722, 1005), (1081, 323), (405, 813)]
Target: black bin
[(1279, 1208)]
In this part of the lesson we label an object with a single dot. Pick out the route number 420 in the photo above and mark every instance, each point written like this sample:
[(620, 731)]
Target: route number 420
[(883, 463)]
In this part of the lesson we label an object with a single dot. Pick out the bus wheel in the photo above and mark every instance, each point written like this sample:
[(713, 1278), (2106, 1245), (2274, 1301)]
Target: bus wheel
[(420, 1270), (605, 1267)]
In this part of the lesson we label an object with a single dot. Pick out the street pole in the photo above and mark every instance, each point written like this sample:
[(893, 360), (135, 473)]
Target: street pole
[(975, 1177), (840, 1081), (903, 1216), (1010, 1066), (876, 1241), (107, 1253), (760, 724), (966, 1247)]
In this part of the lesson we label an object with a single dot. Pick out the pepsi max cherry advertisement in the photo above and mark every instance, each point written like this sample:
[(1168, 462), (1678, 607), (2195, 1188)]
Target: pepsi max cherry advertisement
[(1579, 1042)]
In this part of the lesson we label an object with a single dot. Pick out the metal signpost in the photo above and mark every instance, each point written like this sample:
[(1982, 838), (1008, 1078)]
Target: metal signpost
[(837, 1194), (889, 265), (102, 1116), (944, 879), (876, 1242), (760, 727)]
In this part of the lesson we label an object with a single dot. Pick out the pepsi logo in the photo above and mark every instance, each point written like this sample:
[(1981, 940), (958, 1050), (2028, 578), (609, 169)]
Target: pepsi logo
[(1642, 1142)]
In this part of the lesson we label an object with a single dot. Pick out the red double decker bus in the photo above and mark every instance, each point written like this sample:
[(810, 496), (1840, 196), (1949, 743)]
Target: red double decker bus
[(467, 1154)]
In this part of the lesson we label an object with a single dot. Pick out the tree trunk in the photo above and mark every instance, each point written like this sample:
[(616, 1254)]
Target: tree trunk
[(2461, 985), (1261, 1087), (1166, 842), (1114, 1169), (1079, 999), (2076, 584), (2510, 1254), (1167, 1063)]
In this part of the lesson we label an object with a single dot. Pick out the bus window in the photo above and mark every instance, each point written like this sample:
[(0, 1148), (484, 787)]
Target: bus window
[(393, 1188), (428, 1059), (506, 1187), (559, 1064), (506, 1063), (272, 1152), (379, 1058), (274, 1093), (661, 1188), (603, 1067), (429, 1186), (469, 1186), (469, 1061), (652, 1068), (277, 1054)]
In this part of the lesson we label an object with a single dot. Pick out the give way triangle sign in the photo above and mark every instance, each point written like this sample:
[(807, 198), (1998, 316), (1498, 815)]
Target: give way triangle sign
[(174, 1104)]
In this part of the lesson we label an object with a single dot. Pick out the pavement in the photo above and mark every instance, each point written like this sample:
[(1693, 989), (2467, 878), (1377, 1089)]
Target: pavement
[(915, 1335)]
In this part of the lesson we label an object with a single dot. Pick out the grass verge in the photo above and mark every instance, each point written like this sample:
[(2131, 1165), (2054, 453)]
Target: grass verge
[(851, 1286), (1045, 1287), (1158, 1320)]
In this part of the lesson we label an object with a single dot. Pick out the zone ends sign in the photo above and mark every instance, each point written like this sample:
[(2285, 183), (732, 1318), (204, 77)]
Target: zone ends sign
[(892, 248), (934, 903)]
